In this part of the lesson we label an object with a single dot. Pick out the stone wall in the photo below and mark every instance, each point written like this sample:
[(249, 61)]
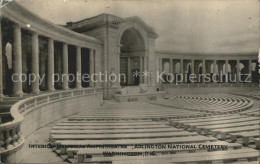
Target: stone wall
[(46, 114)]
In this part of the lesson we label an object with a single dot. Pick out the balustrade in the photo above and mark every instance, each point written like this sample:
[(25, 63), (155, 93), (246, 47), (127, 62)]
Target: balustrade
[(10, 132)]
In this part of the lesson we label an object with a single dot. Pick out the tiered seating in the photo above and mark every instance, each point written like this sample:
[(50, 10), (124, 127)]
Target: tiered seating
[(202, 157), (221, 126), (129, 133), (215, 105), (102, 136), (136, 111), (251, 112), (252, 94)]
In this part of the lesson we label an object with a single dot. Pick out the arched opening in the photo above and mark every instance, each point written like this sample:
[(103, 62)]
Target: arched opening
[(132, 52), (255, 71), (166, 69), (8, 52), (7, 68)]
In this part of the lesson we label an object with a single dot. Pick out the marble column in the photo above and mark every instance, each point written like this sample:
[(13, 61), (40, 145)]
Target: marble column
[(160, 67), (17, 61), (226, 71), (91, 67), (192, 65), (141, 70), (50, 65), (181, 70), (171, 70), (1, 63), (98, 66), (146, 76), (215, 67), (78, 68), (35, 62), (250, 70), (226, 66), (118, 66), (129, 73), (203, 71), (215, 71), (65, 64), (238, 71), (192, 70)]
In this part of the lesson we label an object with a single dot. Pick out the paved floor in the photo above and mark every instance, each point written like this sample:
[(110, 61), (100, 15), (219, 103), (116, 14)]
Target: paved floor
[(40, 155)]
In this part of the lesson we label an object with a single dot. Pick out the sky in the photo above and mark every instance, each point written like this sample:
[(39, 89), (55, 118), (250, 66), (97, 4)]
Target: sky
[(214, 26)]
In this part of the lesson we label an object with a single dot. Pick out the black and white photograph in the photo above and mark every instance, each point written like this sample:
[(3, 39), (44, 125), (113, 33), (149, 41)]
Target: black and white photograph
[(130, 81)]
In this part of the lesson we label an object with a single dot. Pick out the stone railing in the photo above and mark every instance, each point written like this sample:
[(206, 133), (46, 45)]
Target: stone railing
[(11, 138)]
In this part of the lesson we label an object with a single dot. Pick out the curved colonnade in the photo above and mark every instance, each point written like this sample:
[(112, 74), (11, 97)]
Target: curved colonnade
[(43, 49), (220, 67), (50, 48)]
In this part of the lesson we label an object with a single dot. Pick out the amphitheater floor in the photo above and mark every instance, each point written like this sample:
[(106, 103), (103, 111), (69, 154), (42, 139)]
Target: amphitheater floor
[(41, 136), (40, 155)]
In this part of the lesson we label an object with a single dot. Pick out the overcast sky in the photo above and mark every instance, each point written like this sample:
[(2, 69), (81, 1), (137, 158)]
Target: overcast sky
[(182, 26)]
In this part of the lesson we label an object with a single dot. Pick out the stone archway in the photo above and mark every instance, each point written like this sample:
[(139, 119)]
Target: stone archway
[(132, 52)]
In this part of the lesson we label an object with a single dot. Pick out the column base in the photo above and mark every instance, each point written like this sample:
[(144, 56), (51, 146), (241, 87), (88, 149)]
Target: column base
[(65, 89), (36, 91), (2, 96), (18, 94), (91, 85), (51, 90)]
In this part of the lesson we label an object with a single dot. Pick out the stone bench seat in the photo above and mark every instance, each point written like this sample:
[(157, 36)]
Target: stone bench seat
[(110, 127), (221, 102), (221, 123), (153, 115), (174, 140), (139, 117), (107, 121), (225, 131), (82, 118), (219, 110), (206, 129), (254, 114), (206, 157), (252, 110), (116, 131), (121, 136), (107, 124), (92, 152), (181, 123), (257, 143), (245, 136), (216, 106), (103, 113), (220, 120)]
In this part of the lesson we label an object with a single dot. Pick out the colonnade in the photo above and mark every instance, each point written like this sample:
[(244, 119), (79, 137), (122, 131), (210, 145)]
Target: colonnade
[(218, 67), (17, 61)]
